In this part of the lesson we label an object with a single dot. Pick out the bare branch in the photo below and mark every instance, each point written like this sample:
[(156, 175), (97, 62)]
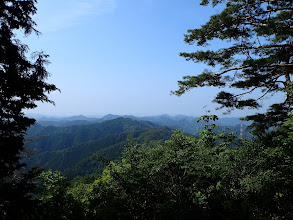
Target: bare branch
[(284, 83), (250, 91)]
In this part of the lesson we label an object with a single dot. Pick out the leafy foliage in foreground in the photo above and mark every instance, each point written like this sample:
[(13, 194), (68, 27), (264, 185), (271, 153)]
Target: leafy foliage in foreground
[(210, 177)]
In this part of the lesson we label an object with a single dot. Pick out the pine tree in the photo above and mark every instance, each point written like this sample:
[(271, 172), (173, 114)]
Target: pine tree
[(258, 58)]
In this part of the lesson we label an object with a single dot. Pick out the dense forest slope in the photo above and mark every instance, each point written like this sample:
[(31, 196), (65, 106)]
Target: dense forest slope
[(70, 149)]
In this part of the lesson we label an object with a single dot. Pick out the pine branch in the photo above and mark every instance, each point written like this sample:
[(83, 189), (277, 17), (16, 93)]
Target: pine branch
[(266, 12), (240, 47), (246, 66)]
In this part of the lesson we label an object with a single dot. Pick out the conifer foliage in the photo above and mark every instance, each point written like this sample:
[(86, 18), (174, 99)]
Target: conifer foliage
[(22, 83), (258, 56)]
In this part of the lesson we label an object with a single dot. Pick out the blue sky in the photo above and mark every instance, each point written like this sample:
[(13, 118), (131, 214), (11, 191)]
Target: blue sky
[(120, 56)]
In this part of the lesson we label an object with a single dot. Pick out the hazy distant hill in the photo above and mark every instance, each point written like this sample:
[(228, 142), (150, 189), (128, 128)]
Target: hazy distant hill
[(69, 149), (68, 121), (187, 123)]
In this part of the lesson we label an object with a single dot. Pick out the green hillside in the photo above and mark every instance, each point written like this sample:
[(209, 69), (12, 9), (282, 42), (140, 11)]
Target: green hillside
[(58, 138), (70, 149)]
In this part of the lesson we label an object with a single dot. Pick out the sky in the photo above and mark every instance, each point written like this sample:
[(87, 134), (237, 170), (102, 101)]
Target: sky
[(121, 57)]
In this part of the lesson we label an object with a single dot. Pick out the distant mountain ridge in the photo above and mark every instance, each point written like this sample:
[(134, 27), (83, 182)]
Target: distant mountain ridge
[(187, 123)]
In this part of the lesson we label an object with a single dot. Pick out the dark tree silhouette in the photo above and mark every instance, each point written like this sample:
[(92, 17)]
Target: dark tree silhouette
[(259, 57), (22, 83)]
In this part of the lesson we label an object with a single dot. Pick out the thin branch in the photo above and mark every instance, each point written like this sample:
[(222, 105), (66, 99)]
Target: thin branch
[(278, 76), (241, 47), (284, 83), (270, 89), (264, 94), (236, 68), (250, 91), (261, 47), (255, 24), (273, 83), (259, 42), (264, 25), (281, 65), (246, 66)]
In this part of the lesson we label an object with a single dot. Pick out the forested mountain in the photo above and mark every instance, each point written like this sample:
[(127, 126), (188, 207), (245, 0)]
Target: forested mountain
[(67, 121), (188, 124), (62, 137), (69, 149)]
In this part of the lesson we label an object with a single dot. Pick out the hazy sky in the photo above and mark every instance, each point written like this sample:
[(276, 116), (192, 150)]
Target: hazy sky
[(120, 56)]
